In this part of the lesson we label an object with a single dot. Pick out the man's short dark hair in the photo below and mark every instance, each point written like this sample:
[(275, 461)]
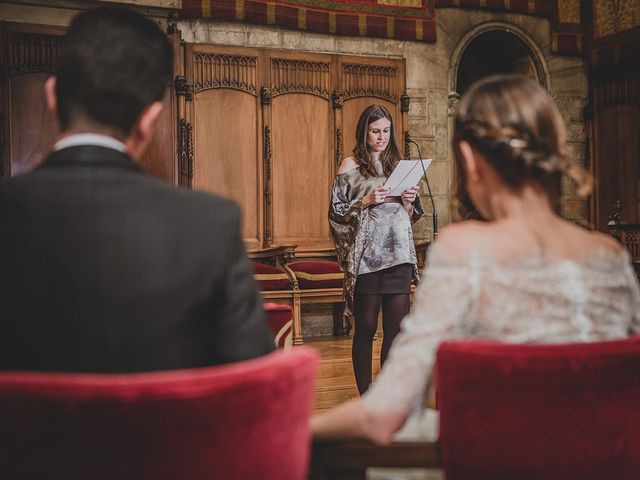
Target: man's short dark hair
[(112, 63)]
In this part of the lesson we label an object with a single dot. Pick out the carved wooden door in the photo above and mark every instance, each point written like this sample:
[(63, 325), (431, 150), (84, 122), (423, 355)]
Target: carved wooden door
[(265, 128)]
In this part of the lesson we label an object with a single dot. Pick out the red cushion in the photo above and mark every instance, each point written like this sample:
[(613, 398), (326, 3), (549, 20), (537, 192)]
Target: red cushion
[(270, 278), (318, 274), (539, 411), (243, 421), (279, 320)]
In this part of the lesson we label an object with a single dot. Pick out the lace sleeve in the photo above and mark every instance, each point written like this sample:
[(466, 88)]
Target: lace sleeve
[(443, 300)]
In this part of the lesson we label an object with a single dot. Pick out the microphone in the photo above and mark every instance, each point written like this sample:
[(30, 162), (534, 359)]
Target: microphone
[(408, 139)]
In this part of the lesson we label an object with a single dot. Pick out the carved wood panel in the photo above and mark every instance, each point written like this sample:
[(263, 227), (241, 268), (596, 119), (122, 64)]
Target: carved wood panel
[(301, 76), (361, 80), (29, 128), (225, 122), (214, 70), (226, 152), (302, 170), (268, 131)]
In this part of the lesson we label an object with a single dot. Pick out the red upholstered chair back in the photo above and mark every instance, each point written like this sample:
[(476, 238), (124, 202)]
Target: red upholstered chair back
[(246, 420), (540, 412), (280, 320)]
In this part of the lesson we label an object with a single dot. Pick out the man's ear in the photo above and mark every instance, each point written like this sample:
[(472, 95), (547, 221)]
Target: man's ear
[(470, 161), (143, 130), (50, 95)]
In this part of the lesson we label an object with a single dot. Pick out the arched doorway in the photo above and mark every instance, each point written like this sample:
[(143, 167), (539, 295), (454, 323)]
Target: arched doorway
[(490, 49), (494, 52)]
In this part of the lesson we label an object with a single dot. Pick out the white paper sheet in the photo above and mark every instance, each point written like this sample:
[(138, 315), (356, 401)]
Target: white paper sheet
[(407, 174)]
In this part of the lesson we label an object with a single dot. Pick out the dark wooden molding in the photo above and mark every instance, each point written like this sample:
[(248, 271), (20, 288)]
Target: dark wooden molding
[(185, 144), (338, 146), (349, 459), (267, 151), (183, 88), (267, 185)]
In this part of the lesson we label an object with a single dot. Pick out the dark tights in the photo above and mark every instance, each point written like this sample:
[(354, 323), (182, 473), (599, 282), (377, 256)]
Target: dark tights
[(365, 309)]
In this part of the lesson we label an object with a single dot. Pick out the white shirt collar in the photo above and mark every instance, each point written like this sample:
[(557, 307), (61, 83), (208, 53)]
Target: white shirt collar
[(96, 139)]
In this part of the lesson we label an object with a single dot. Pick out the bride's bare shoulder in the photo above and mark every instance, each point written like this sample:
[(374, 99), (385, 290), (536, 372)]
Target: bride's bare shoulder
[(598, 240), (347, 165), (463, 237)]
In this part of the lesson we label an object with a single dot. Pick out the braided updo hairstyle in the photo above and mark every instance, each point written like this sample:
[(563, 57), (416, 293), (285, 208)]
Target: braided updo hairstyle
[(517, 127)]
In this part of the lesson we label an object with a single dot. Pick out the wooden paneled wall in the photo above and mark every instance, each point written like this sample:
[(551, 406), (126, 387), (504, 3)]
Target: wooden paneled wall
[(28, 55), (268, 128)]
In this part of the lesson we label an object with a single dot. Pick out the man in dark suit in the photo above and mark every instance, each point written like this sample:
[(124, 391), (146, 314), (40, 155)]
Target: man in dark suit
[(105, 269)]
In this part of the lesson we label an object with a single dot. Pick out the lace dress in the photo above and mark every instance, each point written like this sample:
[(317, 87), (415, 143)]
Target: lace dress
[(532, 300)]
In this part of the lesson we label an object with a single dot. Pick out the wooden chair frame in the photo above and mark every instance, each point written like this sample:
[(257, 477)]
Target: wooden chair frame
[(281, 257)]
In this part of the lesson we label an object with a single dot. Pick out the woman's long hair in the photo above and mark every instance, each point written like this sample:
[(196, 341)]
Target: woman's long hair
[(389, 157), (516, 126)]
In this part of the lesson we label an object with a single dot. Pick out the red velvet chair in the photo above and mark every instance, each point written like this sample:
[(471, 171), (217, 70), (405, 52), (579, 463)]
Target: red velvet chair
[(540, 411), (280, 320), (519, 412), (246, 420)]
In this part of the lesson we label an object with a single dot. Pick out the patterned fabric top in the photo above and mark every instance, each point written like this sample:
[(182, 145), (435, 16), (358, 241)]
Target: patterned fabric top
[(368, 239), (531, 300)]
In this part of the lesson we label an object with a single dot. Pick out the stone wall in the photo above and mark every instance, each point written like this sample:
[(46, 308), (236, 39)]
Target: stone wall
[(430, 76)]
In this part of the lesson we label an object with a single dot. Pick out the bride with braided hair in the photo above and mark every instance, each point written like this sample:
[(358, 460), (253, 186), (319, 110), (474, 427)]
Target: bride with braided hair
[(525, 275)]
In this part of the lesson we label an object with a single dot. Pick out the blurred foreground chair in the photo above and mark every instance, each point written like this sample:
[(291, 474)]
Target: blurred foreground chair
[(239, 421), (525, 412)]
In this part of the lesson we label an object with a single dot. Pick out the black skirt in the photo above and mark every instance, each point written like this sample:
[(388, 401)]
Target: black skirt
[(396, 279)]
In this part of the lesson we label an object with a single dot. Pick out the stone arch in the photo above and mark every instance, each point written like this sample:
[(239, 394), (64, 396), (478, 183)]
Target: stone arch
[(539, 70)]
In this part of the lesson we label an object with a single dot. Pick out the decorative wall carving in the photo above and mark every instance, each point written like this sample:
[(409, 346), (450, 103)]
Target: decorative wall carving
[(267, 151), (31, 52), (453, 101), (338, 99), (267, 185), (214, 70), (265, 96), (183, 88), (301, 76), (338, 146), (405, 102), (185, 145), (370, 80)]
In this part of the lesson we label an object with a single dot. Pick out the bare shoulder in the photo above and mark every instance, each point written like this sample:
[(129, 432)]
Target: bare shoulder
[(463, 237), (602, 241), (347, 165)]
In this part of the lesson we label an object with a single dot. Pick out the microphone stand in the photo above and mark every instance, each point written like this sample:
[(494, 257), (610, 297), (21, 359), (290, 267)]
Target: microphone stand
[(408, 139)]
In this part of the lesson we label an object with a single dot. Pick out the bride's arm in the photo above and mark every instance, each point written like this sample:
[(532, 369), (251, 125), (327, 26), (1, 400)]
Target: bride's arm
[(442, 300), (353, 420)]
